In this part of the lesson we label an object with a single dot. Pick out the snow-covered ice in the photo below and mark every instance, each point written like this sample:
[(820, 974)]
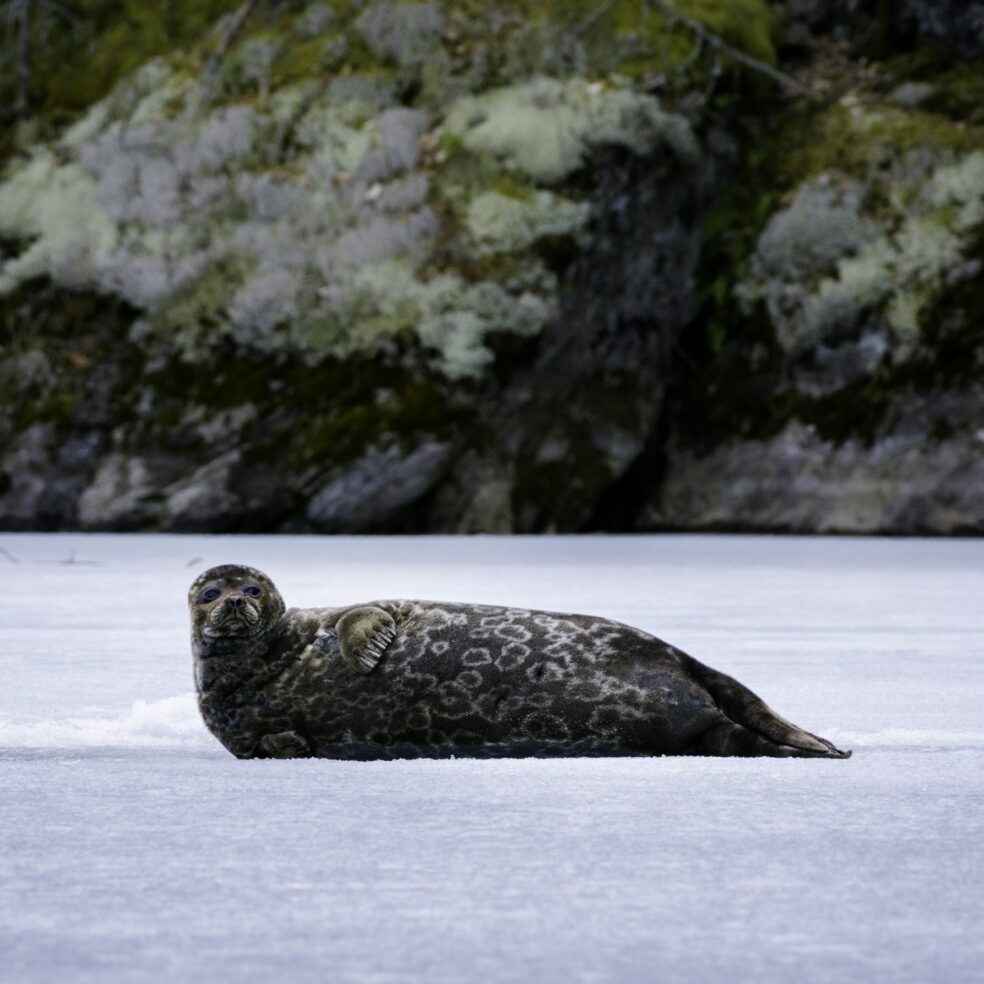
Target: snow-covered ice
[(134, 848)]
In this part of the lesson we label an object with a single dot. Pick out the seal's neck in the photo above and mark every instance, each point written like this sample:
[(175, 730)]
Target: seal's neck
[(224, 663)]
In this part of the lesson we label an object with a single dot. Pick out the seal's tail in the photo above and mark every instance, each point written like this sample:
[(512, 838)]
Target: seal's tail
[(752, 714)]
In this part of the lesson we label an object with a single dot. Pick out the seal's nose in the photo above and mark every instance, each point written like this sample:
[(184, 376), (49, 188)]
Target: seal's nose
[(236, 601)]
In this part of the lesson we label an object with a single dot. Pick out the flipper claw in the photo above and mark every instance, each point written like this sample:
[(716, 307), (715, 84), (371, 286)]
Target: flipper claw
[(363, 635)]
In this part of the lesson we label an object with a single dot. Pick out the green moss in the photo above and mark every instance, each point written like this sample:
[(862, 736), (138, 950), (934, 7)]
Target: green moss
[(464, 173), (309, 416), (857, 139), (39, 316), (957, 86), (194, 315), (184, 383), (730, 231), (484, 45), (507, 186), (953, 330), (864, 137), (959, 92), (299, 61), (53, 408), (75, 67), (748, 25), (493, 266), (413, 408)]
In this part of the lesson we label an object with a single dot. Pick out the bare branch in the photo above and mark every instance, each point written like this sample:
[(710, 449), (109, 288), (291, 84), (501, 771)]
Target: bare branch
[(290, 125), (24, 12), (585, 25), (695, 53), (231, 32), (718, 43), (71, 560)]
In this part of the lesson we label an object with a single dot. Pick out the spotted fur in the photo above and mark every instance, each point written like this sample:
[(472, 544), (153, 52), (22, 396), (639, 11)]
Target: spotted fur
[(466, 680)]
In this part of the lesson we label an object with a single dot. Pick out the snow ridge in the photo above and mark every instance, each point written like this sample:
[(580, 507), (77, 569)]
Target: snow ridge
[(173, 722)]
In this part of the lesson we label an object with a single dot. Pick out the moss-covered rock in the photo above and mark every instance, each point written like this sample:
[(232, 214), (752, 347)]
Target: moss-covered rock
[(342, 245), (395, 266), (832, 271), (858, 219), (923, 476)]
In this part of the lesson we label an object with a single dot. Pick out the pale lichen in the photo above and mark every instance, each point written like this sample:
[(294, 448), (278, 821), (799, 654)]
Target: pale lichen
[(500, 223), (401, 31), (56, 208), (545, 128), (445, 313)]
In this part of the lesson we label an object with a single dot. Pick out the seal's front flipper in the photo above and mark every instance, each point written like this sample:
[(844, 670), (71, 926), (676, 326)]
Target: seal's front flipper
[(363, 635), (284, 745)]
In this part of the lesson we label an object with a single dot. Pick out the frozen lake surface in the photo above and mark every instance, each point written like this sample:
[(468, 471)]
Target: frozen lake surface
[(134, 848)]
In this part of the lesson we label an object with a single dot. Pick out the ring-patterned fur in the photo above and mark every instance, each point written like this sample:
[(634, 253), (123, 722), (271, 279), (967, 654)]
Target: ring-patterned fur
[(406, 679)]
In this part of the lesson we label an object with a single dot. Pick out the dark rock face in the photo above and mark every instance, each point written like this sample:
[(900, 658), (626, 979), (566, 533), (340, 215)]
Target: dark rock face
[(953, 26), (567, 426), (373, 490), (45, 475), (798, 482), (844, 394), (57, 397), (234, 441)]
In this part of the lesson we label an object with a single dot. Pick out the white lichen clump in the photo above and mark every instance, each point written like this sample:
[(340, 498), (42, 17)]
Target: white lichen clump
[(545, 128), (402, 31), (57, 209), (500, 223)]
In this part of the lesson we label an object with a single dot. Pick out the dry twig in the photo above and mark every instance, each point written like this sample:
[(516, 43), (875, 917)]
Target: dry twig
[(231, 32), (715, 41)]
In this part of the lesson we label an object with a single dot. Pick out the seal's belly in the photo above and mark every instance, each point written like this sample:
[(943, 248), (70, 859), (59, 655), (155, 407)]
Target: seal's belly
[(364, 751), (483, 681)]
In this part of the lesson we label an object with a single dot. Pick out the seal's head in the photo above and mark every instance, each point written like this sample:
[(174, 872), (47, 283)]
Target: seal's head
[(233, 602)]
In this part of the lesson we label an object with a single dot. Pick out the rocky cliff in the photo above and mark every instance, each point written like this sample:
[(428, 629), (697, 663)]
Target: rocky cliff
[(447, 267)]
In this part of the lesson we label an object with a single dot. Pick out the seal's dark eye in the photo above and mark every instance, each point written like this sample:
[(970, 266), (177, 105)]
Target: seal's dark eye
[(209, 594), (252, 590)]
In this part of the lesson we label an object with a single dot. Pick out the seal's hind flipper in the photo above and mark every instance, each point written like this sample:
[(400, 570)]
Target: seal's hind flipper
[(749, 710), (363, 635), (727, 738)]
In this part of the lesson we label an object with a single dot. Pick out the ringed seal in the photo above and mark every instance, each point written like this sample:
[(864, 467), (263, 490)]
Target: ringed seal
[(412, 679)]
